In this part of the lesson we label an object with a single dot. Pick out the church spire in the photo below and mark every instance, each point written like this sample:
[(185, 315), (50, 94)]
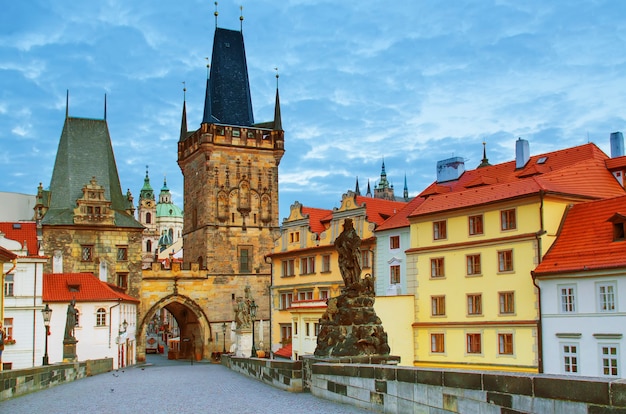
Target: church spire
[(369, 190), (357, 191), (406, 190), (485, 161), (278, 123), (183, 121)]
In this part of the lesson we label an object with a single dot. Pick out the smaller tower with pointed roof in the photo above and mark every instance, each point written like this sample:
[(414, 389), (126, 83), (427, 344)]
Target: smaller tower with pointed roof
[(147, 215)]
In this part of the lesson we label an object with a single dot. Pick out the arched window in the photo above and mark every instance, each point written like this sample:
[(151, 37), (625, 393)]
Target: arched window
[(148, 218), (171, 233), (101, 317), (149, 246)]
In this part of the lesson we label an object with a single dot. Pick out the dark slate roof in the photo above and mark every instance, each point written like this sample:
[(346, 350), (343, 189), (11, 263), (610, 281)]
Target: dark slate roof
[(229, 100), (84, 152)]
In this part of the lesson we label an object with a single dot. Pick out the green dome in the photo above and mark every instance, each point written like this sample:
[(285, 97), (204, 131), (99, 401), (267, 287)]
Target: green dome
[(168, 210)]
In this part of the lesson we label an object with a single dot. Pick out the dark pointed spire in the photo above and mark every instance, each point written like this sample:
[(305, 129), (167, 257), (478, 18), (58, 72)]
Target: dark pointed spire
[(183, 121), (485, 161), (215, 14), (207, 118), (357, 191), (278, 123), (406, 190), (369, 190)]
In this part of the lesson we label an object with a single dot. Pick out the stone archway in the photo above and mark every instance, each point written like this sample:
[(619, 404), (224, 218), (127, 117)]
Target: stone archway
[(195, 329)]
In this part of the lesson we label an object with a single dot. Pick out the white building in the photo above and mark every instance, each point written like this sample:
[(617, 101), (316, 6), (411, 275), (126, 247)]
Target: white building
[(582, 281), (21, 296), (107, 318)]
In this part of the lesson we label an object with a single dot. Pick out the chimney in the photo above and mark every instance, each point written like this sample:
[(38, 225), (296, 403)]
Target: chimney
[(450, 169), (617, 144), (522, 153)]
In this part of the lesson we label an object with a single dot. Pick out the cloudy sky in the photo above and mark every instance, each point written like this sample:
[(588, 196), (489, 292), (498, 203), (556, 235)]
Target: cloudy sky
[(411, 82)]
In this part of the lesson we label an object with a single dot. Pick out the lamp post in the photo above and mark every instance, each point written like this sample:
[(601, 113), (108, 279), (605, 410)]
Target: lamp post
[(253, 308), (47, 314), (224, 334)]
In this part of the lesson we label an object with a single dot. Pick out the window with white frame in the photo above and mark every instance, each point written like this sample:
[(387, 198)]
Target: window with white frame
[(567, 298), (508, 220), (101, 317), (289, 267), (473, 264), (507, 302), (285, 333), (324, 294), (437, 343), (606, 296), (475, 224), (474, 343), (505, 343), (569, 357), (439, 230), (8, 328), (285, 300), (326, 263), (307, 265), (394, 274), (609, 358), (8, 284), (394, 242), (505, 261), (305, 295)]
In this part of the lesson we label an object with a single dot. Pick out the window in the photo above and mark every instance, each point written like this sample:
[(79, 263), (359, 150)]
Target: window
[(505, 344), (148, 218), (474, 304), (305, 295), (122, 280), (610, 360), (324, 294), (365, 259), (436, 267), (326, 263), (437, 343), (294, 237), (307, 265), (149, 246), (8, 284), (438, 305), (473, 264), (245, 259), (285, 300), (507, 302), (316, 327), (289, 267), (474, 343), (439, 230), (606, 296), (570, 358), (394, 242), (394, 272), (101, 317), (285, 333), (236, 133), (507, 219), (618, 231), (122, 254), (87, 253), (295, 327), (475, 225), (567, 299), (505, 261), (8, 327), (307, 329)]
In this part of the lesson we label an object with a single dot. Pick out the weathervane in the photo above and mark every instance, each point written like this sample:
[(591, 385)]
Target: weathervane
[(216, 13), (241, 19), (184, 91), (277, 76)]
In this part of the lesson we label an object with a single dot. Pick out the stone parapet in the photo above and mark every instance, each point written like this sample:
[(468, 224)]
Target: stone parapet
[(286, 375)]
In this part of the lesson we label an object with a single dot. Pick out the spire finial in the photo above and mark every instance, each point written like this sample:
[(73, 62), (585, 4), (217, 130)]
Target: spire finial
[(484, 162), (215, 13), (105, 106), (184, 91), (146, 170), (241, 19), (67, 103), (208, 67), (277, 76)]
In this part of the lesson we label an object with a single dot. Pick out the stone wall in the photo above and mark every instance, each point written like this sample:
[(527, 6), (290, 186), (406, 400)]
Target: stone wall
[(286, 375), (406, 389), (14, 383)]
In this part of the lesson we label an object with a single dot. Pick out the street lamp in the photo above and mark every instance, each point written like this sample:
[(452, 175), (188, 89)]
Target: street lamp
[(47, 314), (224, 334), (253, 308)]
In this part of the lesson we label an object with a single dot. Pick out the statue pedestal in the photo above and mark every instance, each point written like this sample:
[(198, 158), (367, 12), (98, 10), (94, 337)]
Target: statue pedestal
[(69, 350), (244, 342)]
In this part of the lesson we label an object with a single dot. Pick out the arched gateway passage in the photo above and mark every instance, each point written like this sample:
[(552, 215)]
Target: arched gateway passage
[(193, 324)]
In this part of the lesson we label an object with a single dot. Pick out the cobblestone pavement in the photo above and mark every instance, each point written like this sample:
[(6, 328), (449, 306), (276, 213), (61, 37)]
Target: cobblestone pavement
[(171, 387)]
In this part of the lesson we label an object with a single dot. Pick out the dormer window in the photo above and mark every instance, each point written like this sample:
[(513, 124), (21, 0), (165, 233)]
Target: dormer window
[(619, 226)]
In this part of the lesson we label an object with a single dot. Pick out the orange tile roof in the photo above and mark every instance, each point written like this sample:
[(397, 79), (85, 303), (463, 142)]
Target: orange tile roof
[(285, 351), (6, 255), (579, 171), (585, 239), (316, 215), (616, 163), (60, 287), (25, 232), (378, 210), (401, 218)]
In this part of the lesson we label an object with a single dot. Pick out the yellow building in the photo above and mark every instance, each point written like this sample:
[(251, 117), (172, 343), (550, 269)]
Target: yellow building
[(305, 272), (474, 241)]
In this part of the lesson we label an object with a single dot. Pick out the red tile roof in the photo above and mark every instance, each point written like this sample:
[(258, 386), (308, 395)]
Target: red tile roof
[(83, 287), (579, 171), (6, 255), (285, 351), (401, 218), (22, 232), (585, 240), (378, 210), (316, 215)]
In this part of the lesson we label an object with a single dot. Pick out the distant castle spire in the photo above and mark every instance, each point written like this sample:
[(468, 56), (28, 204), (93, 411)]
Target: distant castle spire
[(357, 191), (485, 161), (405, 193)]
